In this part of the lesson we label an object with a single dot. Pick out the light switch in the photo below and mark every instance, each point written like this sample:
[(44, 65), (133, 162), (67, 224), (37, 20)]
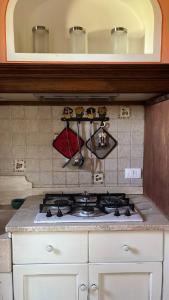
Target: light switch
[(133, 173)]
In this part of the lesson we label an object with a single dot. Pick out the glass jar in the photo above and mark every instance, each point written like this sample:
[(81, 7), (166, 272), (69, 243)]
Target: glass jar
[(119, 40), (40, 39), (77, 39)]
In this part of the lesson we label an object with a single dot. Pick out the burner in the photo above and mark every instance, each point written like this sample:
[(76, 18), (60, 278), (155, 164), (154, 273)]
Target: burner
[(62, 203), (87, 211)]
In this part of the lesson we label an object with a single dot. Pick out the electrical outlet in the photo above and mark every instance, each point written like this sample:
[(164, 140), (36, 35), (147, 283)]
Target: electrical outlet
[(98, 178), (133, 173)]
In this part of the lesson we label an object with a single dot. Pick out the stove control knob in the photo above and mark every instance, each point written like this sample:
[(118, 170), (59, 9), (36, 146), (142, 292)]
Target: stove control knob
[(93, 287), (132, 206), (49, 248), (127, 212), (125, 248), (83, 287), (117, 213), (59, 213), (48, 214)]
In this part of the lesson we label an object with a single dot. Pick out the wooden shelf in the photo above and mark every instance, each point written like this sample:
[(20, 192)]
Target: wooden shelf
[(84, 78)]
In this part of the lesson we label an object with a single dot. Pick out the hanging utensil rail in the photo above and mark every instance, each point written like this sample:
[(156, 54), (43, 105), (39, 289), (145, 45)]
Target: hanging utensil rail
[(74, 119)]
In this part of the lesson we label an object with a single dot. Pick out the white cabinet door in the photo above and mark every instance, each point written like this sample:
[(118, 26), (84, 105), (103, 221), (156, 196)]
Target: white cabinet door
[(6, 286), (125, 281), (54, 282)]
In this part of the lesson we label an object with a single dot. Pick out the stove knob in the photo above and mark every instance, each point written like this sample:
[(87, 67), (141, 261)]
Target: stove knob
[(127, 212), (117, 213), (48, 214), (59, 213)]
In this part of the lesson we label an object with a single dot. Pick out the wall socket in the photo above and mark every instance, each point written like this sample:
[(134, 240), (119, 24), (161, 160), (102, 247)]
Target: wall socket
[(98, 178), (133, 173)]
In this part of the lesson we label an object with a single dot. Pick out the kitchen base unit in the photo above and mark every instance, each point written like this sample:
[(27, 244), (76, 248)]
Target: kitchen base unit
[(6, 292), (87, 265)]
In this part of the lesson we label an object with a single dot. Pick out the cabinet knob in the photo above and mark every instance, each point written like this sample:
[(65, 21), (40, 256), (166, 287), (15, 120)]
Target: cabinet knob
[(93, 287), (83, 287), (49, 248), (125, 248)]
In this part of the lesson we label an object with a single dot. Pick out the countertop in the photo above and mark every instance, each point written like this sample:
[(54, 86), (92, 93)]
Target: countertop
[(23, 220)]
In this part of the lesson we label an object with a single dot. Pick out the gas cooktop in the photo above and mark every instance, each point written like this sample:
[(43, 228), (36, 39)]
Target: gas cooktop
[(85, 207)]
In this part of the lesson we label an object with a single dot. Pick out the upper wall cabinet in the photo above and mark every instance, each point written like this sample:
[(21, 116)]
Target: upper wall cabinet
[(82, 30)]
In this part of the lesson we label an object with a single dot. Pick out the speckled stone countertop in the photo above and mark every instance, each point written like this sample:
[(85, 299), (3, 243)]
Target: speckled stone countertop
[(23, 220)]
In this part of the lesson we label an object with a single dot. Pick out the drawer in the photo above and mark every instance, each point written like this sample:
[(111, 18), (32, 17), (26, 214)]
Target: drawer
[(5, 254), (49, 247), (125, 246)]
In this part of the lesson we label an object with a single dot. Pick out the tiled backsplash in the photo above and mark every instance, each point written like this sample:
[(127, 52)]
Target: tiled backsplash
[(27, 132)]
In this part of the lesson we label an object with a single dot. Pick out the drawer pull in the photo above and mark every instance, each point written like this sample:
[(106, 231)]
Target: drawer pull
[(83, 287), (49, 248), (125, 248), (93, 287)]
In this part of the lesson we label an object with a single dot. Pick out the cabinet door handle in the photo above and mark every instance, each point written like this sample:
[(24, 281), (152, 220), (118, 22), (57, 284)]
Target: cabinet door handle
[(49, 248), (83, 287), (125, 248), (93, 287)]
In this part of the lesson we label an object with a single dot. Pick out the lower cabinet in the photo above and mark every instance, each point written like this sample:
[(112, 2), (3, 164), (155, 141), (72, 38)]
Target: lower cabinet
[(54, 282), (6, 292), (118, 281)]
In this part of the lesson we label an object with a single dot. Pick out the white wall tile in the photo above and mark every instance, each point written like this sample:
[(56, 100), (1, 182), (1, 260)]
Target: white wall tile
[(124, 125), (44, 112), (124, 151), (5, 112), (110, 164), (19, 152), (5, 125), (123, 163), (124, 138), (72, 178), (46, 178), (18, 112), (32, 126), (18, 125), (111, 178), (45, 165), (18, 139), (32, 165), (32, 152), (85, 178), (59, 178), (31, 112)]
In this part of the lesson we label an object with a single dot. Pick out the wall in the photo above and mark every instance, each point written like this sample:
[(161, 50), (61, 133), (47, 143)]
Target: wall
[(27, 132), (156, 157)]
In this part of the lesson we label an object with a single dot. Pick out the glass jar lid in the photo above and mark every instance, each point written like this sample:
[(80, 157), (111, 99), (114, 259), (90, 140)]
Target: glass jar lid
[(77, 28), (119, 29)]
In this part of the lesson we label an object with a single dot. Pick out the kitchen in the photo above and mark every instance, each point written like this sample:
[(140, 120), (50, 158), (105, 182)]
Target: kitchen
[(91, 258)]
